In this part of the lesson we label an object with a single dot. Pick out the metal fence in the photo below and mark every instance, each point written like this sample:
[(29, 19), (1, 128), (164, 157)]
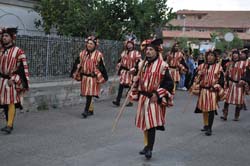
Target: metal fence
[(52, 57)]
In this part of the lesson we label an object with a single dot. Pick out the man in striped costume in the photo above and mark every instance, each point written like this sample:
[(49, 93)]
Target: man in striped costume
[(153, 91), (91, 72), (234, 89), (129, 58), (14, 77), (208, 85), (176, 64), (244, 57)]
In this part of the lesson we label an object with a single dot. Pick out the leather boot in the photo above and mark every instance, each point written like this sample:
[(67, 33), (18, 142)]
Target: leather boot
[(210, 123), (204, 128), (237, 114), (148, 154), (143, 151), (225, 113), (245, 106), (130, 104), (208, 132), (85, 114), (7, 129), (117, 103)]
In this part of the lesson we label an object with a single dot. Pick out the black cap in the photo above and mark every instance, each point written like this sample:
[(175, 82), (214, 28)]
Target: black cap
[(11, 31), (155, 44)]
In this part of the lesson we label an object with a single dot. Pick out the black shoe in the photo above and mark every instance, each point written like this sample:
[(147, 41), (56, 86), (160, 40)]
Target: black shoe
[(116, 103), (143, 151), (4, 128), (208, 132), (90, 113), (129, 104), (245, 107), (204, 128), (223, 118), (148, 154), (7, 129), (236, 119), (85, 114)]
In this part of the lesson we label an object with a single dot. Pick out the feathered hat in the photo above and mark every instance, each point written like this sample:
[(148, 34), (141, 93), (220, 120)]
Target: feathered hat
[(11, 31), (245, 51), (94, 39), (156, 44)]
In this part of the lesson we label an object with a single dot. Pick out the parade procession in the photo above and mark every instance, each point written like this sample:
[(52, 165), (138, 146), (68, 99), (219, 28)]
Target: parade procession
[(78, 94)]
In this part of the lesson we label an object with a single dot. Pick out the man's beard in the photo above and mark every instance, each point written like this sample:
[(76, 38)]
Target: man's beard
[(6, 44), (91, 50), (130, 49)]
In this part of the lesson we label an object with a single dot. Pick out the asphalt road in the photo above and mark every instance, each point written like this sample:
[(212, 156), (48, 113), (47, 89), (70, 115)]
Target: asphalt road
[(60, 137)]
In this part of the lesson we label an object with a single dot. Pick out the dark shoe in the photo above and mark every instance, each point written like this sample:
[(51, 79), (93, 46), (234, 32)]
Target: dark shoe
[(143, 151), (4, 128), (204, 128), (116, 103), (7, 129), (148, 154), (208, 132), (129, 104), (85, 114), (90, 113), (244, 107), (237, 114), (223, 118), (236, 119)]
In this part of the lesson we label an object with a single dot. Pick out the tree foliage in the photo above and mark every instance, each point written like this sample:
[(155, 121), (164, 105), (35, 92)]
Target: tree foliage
[(110, 19), (218, 38)]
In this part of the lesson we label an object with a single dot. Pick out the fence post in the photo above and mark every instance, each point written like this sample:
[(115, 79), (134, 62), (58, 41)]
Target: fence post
[(47, 57)]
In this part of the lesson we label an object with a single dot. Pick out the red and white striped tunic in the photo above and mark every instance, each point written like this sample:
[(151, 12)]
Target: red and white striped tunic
[(10, 59), (235, 92), (150, 114), (175, 66), (90, 86), (128, 61), (208, 78)]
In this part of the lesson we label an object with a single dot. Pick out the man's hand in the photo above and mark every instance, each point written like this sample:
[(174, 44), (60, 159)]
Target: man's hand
[(10, 82), (242, 83), (154, 98), (135, 78)]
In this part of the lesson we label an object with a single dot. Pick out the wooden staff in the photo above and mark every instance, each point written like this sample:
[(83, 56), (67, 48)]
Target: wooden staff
[(72, 82), (126, 100), (112, 86)]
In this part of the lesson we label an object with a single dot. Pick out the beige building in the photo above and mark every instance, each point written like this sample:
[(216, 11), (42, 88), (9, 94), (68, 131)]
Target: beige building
[(19, 13), (200, 24)]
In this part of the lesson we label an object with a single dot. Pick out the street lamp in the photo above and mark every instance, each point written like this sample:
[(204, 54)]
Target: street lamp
[(184, 23)]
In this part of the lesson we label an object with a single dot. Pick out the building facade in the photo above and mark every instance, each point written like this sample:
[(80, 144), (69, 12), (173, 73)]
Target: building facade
[(21, 14), (200, 25)]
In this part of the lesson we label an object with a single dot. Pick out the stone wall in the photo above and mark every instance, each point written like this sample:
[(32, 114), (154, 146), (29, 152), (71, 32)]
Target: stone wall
[(56, 94)]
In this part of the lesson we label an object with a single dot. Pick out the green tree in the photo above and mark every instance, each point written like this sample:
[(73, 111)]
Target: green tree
[(108, 18), (218, 38)]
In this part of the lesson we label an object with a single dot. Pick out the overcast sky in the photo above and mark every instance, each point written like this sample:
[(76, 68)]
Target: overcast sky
[(209, 4)]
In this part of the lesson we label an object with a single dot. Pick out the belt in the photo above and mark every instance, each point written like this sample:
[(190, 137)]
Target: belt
[(88, 75), (124, 68), (4, 76), (173, 67), (230, 79), (205, 87), (147, 94)]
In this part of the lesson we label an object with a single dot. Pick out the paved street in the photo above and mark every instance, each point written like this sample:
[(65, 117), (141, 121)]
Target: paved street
[(60, 137)]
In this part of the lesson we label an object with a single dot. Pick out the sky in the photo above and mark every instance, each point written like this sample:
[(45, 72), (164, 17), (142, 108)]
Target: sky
[(209, 4)]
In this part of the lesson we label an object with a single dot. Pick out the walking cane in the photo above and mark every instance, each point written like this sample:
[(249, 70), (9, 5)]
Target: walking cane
[(72, 83), (126, 100), (112, 86)]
